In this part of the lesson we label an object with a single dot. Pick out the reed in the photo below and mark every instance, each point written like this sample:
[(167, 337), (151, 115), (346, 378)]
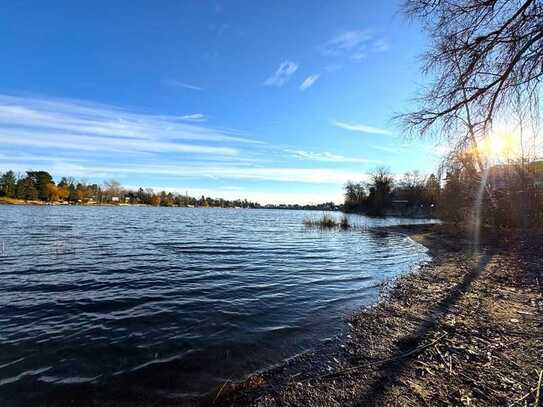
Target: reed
[(328, 221)]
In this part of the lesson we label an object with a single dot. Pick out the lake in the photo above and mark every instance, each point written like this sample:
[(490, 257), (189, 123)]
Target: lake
[(168, 303)]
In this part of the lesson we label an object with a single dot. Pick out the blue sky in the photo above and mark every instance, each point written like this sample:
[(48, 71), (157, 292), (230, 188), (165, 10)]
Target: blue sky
[(272, 101)]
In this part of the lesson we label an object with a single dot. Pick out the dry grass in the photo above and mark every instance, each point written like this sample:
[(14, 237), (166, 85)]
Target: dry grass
[(328, 221)]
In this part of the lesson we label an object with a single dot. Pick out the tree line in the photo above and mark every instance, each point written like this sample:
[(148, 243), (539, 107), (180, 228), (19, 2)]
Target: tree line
[(508, 195), (34, 186), (383, 194)]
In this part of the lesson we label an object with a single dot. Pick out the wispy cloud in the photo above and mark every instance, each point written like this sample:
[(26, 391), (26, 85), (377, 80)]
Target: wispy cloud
[(356, 45), (31, 158), (179, 84), (282, 74), (281, 174), (111, 142), (17, 137), (73, 125), (197, 117), (362, 128), (309, 81), (380, 46), (325, 157), (221, 171), (346, 41), (390, 150)]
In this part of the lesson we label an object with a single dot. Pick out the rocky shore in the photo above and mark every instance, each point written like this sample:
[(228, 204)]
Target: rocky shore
[(466, 329)]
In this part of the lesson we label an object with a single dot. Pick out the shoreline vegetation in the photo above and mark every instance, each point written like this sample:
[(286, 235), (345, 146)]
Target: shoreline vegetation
[(465, 329), (39, 188), (328, 221)]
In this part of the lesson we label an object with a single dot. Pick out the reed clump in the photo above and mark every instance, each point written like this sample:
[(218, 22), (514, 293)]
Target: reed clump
[(328, 221)]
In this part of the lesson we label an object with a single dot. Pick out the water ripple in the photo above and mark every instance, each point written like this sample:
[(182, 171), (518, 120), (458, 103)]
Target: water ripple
[(171, 301)]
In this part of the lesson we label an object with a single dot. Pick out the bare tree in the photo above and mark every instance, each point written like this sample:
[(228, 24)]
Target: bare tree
[(113, 188), (484, 56)]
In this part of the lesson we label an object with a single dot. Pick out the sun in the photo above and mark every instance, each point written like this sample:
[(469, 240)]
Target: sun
[(500, 145), (497, 145)]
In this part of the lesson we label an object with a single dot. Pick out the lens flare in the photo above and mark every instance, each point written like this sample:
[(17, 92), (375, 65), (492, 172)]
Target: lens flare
[(500, 146)]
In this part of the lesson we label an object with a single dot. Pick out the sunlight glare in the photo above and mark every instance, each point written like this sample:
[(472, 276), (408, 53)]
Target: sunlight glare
[(500, 145)]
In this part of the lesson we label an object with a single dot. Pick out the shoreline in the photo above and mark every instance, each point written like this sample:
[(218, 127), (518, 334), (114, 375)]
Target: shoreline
[(462, 329), (19, 202)]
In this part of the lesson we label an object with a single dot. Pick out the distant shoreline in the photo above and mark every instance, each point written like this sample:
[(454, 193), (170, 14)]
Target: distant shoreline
[(21, 202)]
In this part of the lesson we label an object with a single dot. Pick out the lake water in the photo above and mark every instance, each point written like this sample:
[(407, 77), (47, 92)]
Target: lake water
[(163, 303)]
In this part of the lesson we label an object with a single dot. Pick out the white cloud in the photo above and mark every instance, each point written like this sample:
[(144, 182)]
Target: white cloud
[(206, 170), (346, 41), (184, 85), (194, 117), (110, 142), (16, 137), (309, 81), (362, 128), (356, 45), (282, 74), (73, 125), (326, 157)]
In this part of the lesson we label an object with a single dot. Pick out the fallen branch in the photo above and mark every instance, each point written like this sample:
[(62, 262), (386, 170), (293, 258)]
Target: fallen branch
[(384, 361)]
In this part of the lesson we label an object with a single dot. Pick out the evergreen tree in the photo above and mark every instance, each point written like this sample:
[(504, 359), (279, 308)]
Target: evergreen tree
[(41, 181), (27, 190), (8, 184)]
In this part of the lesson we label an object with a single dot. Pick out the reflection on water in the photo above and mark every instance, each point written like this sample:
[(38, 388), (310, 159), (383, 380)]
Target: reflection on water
[(169, 302)]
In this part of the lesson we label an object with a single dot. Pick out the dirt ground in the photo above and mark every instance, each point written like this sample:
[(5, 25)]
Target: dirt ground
[(466, 329)]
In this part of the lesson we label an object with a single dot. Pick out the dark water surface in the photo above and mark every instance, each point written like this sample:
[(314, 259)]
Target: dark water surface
[(169, 302)]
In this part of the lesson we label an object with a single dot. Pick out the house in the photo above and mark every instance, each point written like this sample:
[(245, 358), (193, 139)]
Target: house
[(511, 176)]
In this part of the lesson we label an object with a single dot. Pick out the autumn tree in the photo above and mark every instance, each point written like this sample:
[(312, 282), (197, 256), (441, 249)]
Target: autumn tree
[(155, 200), (53, 193)]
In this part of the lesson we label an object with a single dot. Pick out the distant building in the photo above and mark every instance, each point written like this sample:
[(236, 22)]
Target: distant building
[(400, 203), (115, 199), (509, 176)]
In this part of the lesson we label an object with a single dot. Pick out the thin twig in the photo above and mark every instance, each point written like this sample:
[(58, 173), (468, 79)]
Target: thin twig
[(538, 394), (522, 398), (220, 390)]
